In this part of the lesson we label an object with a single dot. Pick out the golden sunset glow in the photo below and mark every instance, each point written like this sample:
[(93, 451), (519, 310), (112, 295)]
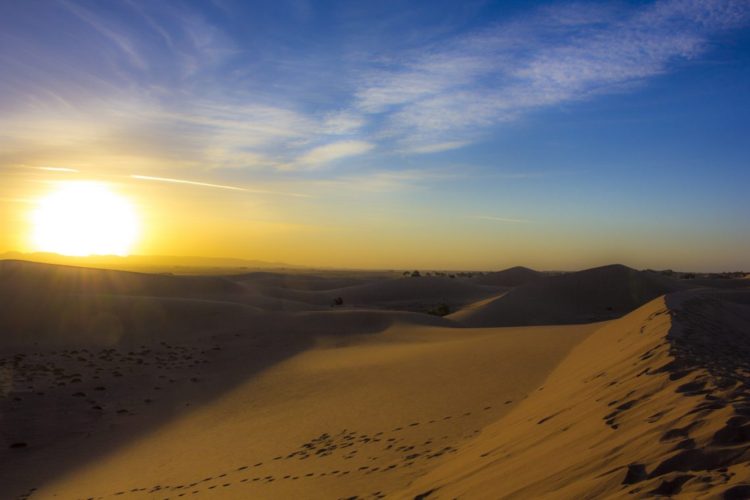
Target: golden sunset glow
[(84, 218)]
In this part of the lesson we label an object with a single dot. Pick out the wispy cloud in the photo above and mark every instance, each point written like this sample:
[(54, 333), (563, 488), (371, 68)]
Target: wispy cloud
[(459, 88), (124, 43), (343, 122), (327, 153), (385, 181), (437, 147), (176, 87)]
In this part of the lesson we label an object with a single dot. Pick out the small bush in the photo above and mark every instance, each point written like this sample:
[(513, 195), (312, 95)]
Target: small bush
[(440, 310)]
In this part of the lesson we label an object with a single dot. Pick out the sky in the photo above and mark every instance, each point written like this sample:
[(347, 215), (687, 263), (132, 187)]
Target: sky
[(391, 134)]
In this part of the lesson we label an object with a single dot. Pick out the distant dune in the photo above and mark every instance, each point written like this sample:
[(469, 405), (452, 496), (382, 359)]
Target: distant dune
[(307, 281), (399, 293), (580, 297), (51, 305), (24, 276), (513, 276), (151, 263)]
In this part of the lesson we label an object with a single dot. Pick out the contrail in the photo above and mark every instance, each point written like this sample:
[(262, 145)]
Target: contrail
[(57, 169), (217, 186)]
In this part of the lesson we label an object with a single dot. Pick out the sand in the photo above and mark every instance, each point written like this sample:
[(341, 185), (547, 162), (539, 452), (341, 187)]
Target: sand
[(655, 403), (253, 387), (596, 294), (350, 415)]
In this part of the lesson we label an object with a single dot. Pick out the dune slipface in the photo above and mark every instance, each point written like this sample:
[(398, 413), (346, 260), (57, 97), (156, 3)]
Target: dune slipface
[(655, 403)]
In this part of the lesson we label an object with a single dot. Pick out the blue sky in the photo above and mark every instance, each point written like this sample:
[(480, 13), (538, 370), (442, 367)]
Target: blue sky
[(565, 126)]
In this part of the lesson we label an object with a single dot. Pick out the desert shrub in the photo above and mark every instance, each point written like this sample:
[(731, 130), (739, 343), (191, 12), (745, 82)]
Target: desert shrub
[(416, 274), (440, 310)]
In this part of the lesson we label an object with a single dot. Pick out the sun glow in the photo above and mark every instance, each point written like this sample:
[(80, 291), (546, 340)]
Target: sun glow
[(84, 218)]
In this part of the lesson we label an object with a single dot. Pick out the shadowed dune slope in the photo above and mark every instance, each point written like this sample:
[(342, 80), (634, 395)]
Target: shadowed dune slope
[(48, 305), (33, 277), (328, 280), (653, 404), (513, 276), (731, 284), (592, 295), (399, 292)]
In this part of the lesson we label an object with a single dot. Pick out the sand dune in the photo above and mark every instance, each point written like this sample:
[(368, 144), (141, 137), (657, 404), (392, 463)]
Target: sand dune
[(401, 293), (470, 310), (581, 297), (513, 276), (25, 277), (345, 415), (311, 281), (653, 404), (46, 305), (256, 387)]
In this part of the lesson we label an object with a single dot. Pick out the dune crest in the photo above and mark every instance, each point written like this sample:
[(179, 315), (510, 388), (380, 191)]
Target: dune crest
[(655, 403)]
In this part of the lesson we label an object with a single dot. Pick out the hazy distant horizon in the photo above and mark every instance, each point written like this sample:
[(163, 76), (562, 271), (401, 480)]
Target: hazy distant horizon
[(257, 264)]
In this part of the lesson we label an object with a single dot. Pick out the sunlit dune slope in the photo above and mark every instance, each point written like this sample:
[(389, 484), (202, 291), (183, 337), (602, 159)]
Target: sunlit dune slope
[(471, 309), (584, 296), (655, 403), (348, 413)]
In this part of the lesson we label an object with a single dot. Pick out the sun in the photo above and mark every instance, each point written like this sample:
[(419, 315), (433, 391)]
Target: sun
[(84, 218)]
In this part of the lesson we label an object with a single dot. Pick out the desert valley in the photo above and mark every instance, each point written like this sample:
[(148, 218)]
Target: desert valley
[(608, 382)]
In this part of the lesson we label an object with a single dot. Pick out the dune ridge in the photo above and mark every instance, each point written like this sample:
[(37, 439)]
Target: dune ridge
[(653, 404)]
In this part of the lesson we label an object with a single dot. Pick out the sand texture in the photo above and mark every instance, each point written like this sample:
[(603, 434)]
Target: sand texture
[(128, 385)]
